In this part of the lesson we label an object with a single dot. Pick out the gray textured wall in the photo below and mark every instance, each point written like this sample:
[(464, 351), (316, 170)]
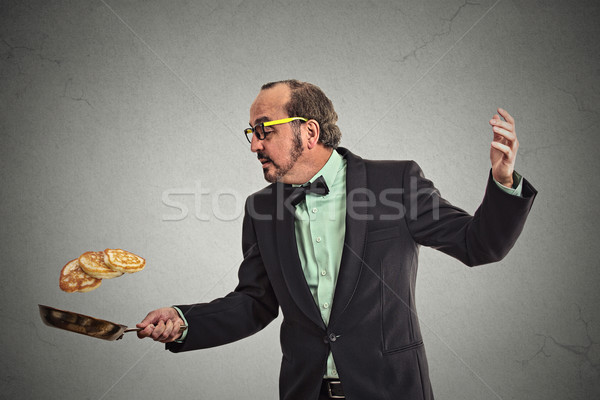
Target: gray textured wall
[(108, 106)]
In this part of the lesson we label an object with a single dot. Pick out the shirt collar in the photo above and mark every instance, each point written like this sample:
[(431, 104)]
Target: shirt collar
[(329, 170)]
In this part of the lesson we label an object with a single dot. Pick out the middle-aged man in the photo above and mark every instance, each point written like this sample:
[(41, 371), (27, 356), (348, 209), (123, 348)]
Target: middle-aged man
[(334, 242)]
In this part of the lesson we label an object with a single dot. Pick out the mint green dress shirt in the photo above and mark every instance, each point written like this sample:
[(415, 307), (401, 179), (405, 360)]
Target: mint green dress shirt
[(320, 231)]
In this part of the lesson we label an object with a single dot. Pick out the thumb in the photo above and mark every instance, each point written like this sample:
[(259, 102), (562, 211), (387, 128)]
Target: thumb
[(151, 318)]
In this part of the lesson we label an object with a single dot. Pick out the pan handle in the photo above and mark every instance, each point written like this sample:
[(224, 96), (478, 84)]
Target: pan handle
[(181, 329)]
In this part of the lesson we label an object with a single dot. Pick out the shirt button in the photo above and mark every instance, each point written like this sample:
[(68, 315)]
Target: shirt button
[(314, 210), (323, 272), (333, 372), (318, 239), (326, 305)]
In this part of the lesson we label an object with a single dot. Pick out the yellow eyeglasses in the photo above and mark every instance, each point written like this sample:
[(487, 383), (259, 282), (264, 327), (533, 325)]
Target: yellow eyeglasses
[(259, 129)]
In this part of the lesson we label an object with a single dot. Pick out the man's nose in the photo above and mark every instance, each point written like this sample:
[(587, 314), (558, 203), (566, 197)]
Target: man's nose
[(255, 144)]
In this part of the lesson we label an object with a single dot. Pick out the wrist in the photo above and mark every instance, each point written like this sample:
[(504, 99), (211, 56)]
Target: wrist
[(508, 182)]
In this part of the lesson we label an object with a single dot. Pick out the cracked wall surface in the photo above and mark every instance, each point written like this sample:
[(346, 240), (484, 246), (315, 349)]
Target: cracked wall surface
[(108, 105)]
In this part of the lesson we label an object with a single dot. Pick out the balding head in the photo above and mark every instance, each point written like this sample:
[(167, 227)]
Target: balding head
[(308, 101)]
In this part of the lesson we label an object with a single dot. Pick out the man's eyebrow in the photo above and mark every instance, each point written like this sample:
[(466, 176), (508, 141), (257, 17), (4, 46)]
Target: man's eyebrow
[(259, 120)]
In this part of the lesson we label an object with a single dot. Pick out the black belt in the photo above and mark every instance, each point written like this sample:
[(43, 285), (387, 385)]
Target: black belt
[(333, 389)]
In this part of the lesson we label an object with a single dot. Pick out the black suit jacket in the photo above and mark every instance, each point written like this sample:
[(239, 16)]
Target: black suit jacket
[(373, 330)]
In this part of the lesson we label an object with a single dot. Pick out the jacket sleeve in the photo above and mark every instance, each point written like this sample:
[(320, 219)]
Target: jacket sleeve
[(243, 312), (485, 237)]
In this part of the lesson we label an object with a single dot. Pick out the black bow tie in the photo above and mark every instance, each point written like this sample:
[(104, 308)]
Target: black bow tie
[(318, 186)]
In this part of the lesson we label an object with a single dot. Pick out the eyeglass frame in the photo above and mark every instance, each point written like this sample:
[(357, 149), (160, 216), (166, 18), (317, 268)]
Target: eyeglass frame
[(252, 129)]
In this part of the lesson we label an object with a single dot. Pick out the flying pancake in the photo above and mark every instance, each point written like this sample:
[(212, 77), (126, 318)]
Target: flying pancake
[(73, 279), (92, 263), (123, 261)]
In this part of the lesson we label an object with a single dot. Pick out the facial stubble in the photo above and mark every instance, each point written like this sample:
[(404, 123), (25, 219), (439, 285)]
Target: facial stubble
[(295, 152)]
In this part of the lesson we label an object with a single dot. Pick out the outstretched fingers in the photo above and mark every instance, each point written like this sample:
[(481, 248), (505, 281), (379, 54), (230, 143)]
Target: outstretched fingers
[(504, 146)]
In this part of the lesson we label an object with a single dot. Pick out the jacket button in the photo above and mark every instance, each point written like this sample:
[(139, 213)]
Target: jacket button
[(332, 337), (325, 339)]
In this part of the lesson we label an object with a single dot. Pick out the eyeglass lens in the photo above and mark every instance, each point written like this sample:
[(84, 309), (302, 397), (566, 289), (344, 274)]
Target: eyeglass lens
[(258, 131)]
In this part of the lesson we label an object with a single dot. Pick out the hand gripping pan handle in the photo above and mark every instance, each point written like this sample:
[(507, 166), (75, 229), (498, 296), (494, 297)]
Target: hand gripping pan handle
[(84, 324)]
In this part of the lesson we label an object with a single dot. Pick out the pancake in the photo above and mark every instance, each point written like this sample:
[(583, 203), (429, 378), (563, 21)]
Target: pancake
[(92, 263), (73, 279), (123, 261)]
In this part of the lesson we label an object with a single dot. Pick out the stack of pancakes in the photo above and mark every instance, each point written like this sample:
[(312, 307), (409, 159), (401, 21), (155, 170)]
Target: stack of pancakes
[(86, 272)]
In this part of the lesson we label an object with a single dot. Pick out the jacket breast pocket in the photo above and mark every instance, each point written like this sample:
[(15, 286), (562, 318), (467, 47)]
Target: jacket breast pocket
[(383, 234)]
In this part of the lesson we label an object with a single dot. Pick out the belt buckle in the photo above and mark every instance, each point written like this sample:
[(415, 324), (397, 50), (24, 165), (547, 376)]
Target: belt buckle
[(330, 394)]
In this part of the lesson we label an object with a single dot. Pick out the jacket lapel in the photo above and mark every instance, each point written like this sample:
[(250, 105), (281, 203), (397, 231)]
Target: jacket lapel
[(355, 238), (288, 256)]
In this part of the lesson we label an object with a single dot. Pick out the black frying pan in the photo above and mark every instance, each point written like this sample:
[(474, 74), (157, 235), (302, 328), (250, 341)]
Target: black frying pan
[(85, 324)]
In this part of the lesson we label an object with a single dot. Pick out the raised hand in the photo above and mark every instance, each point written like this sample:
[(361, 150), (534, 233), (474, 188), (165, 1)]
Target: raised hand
[(503, 151)]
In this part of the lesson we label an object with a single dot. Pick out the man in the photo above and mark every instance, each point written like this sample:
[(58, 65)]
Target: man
[(339, 255)]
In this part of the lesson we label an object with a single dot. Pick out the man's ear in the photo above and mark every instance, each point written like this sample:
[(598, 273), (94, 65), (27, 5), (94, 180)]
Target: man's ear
[(313, 132)]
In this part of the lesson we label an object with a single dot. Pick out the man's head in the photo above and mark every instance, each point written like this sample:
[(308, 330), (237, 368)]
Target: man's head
[(293, 152)]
